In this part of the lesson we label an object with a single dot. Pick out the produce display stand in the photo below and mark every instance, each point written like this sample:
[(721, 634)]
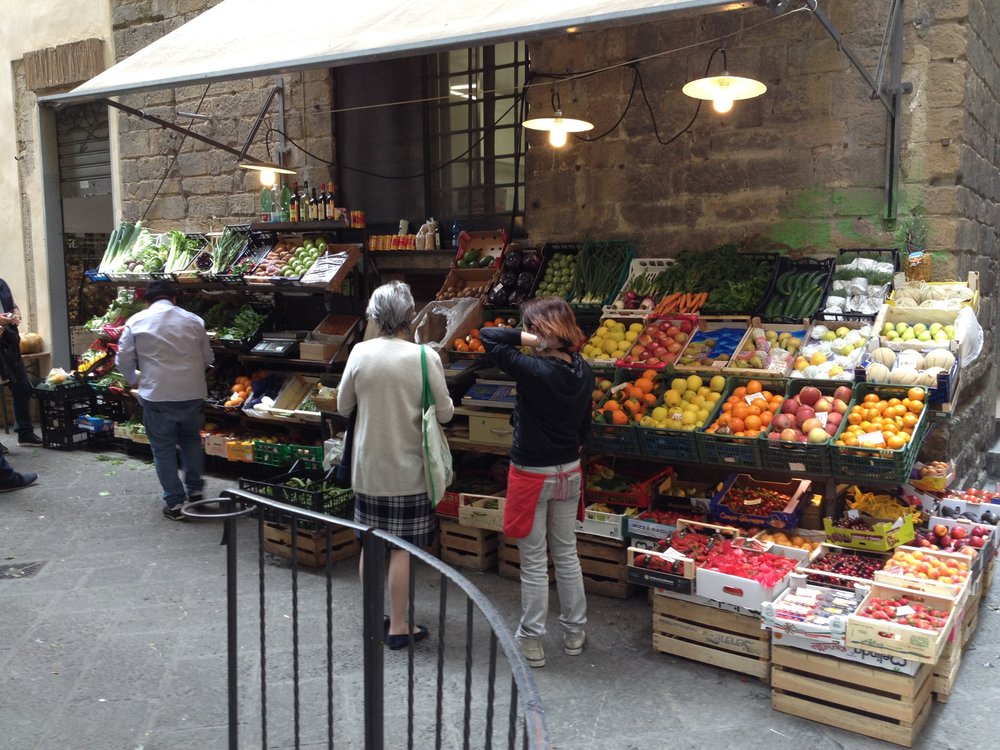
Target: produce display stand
[(604, 565)]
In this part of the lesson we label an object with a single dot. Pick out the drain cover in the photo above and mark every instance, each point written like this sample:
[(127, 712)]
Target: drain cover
[(20, 570)]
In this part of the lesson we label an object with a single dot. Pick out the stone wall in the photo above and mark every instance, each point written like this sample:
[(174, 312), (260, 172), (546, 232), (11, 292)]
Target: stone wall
[(202, 189)]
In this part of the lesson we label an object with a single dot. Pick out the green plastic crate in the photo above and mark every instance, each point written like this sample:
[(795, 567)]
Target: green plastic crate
[(270, 454), (734, 450)]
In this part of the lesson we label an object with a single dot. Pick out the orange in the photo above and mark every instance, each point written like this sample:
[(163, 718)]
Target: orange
[(612, 405), (909, 420), (895, 442), (736, 425), (461, 346), (645, 384), (871, 398), (752, 433), (741, 411), (916, 406), (633, 406), (753, 423), (739, 392), (489, 324), (635, 391), (649, 375), (754, 386), (767, 395), (474, 333), (915, 394), (765, 418), (854, 418), (619, 417), (727, 407), (649, 399)]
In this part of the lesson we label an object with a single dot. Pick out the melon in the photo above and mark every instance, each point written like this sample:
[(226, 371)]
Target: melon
[(929, 376), (939, 358), (876, 372), (884, 356), (31, 343), (904, 376)]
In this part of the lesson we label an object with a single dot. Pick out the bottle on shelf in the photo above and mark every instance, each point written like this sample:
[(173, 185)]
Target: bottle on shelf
[(294, 204), (265, 204), (275, 203), (315, 207), (331, 201), (285, 202), (305, 211), (456, 231)]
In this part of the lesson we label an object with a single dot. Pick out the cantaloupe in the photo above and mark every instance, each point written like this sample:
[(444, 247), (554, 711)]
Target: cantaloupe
[(939, 358), (876, 372), (904, 376), (884, 356)]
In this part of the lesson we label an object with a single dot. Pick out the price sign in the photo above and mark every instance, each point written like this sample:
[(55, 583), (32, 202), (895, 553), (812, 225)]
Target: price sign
[(719, 364), (755, 397), (678, 416), (905, 611), (853, 514), (821, 416), (872, 439)]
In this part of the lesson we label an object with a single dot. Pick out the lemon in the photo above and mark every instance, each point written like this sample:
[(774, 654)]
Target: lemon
[(617, 335), (713, 397), (674, 424), (801, 363), (702, 416), (636, 328), (717, 384), (679, 384), (817, 358), (671, 398), (694, 382), (647, 421), (704, 390), (631, 336), (660, 414), (689, 417)]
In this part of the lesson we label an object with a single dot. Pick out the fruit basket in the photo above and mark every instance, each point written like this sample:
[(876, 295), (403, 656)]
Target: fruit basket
[(798, 438), (624, 486), (875, 455), (672, 565), (832, 351), (641, 290), (684, 408), (519, 274), (818, 613), (613, 429), (742, 574), (712, 345), (719, 443), (660, 343), (768, 350), (867, 533), (746, 501), (843, 568)]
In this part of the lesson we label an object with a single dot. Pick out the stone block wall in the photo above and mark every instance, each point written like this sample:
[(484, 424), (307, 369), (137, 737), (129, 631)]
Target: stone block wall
[(202, 189)]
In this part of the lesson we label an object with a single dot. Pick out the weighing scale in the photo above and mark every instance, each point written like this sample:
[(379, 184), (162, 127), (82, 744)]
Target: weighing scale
[(498, 394), (279, 344)]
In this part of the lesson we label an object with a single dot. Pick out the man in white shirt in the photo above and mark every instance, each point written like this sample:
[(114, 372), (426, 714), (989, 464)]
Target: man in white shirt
[(165, 351)]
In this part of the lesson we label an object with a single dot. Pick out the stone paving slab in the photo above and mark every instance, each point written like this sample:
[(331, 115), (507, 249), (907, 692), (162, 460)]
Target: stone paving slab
[(119, 643)]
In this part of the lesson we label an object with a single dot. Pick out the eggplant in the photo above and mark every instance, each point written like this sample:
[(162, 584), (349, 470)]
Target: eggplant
[(532, 263), (512, 262), (508, 278), (517, 297), (499, 297), (525, 279)]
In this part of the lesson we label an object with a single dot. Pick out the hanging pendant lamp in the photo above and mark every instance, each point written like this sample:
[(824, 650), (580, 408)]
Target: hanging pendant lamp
[(723, 90), (558, 126)]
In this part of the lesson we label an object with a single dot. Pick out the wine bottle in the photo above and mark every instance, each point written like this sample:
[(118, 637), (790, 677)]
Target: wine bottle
[(315, 207), (294, 204), (286, 200)]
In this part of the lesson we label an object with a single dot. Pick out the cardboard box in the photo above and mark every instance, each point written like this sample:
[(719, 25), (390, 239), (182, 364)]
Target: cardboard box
[(893, 575), (743, 592), (331, 268), (883, 536), (473, 511), (840, 651), (598, 523), (786, 518)]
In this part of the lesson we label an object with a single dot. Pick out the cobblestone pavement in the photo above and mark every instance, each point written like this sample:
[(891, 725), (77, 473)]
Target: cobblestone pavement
[(118, 642)]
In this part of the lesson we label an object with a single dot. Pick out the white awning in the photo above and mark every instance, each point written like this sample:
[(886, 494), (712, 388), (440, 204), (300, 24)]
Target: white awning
[(248, 38)]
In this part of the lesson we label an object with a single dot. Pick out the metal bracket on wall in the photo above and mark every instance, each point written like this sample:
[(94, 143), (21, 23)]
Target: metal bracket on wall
[(889, 93)]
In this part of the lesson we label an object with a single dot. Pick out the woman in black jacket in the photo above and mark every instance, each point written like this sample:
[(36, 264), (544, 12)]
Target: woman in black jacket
[(551, 417)]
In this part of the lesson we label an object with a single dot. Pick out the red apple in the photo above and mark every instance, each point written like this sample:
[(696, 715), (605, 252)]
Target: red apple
[(977, 541), (958, 532), (831, 428), (686, 326), (809, 395), (823, 404), (940, 530), (834, 418), (803, 413), (672, 331), (978, 530), (652, 361), (843, 393), (669, 357), (637, 350), (644, 339), (774, 436), (789, 406), (810, 424), (789, 435), (945, 541), (781, 422), (628, 359)]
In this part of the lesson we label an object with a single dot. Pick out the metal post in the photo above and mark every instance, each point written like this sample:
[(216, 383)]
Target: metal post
[(373, 586), (894, 136), (231, 646)]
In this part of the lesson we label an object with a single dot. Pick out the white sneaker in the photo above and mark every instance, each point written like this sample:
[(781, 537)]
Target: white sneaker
[(573, 642), (533, 650)]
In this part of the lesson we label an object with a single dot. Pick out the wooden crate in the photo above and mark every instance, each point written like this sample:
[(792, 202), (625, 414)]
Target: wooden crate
[(467, 547), (509, 560), (603, 562), (310, 545), (874, 702), (947, 667), (714, 636)]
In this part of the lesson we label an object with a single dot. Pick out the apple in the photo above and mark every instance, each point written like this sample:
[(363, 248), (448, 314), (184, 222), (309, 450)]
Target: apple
[(802, 438), (644, 340), (834, 418), (823, 404), (789, 406), (674, 348), (810, 424), (940, 530), (774, 436), (924, 542), (817, 435), (652, 361), (958, 532), (659, 351), (839, 406), (681, 337), (789, 435), (977, 542), (843, 393), (978, 530), (831, 428), (809, 395), (945, 541), (686, 326), (637, 351), (803, 413), (781, 422), (672, 331)]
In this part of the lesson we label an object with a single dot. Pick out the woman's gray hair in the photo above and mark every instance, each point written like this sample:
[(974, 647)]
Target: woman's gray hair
[(391, 307)]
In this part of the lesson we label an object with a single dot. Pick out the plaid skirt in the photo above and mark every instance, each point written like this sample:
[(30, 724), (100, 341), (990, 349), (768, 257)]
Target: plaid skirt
[(410, 517)]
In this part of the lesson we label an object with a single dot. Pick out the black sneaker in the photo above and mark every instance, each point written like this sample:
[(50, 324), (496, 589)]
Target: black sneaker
[(30, 439), (174, 514), (3, 448), (19, 481)]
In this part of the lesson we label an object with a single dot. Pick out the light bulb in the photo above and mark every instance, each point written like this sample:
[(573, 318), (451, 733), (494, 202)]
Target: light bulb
[(267, 177), (722, 105), (557, 133)]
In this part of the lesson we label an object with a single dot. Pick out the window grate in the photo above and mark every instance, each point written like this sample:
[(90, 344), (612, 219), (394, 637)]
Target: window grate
[(20, 570)]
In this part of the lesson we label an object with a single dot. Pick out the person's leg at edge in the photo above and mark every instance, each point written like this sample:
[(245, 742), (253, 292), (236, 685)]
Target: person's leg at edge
[(20, 391), (566, 560), (162, 433), (191, 420), (399, 591), (535, 574)]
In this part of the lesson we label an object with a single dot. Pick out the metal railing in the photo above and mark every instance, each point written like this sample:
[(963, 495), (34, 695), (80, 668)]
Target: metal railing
[(303, 676)]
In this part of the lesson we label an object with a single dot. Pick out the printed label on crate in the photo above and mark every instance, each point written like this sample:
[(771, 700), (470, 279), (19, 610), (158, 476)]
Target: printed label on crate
[(754, 397), (795, 466), (677, 416), (822, 416), (871, 439), (719, 364)]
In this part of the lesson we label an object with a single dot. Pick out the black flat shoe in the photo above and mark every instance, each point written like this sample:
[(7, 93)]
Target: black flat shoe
[(396, 642), (3, 448)]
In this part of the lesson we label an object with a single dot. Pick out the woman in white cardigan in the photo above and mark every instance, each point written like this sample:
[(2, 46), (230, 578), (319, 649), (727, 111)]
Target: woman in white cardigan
[(382, 380)]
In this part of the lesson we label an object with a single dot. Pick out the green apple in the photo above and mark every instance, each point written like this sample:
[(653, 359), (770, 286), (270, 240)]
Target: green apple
[(907, 335), (924, 335), (892, 335), (887, 329), (935, 327), (949, 331), (846, 350), (901, 327)]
